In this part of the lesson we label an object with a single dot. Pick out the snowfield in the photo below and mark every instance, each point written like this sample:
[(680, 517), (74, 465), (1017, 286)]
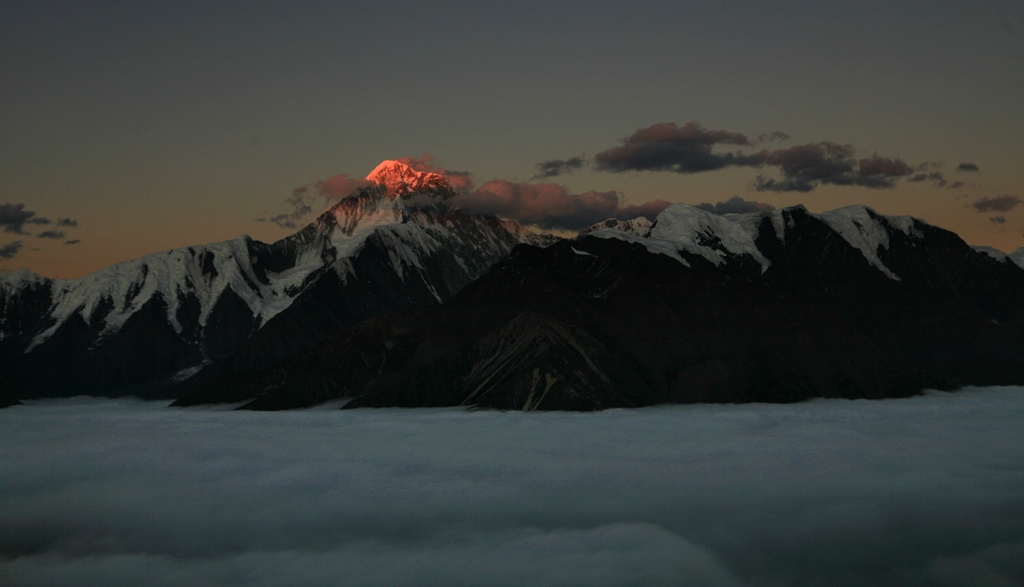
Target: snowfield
[(921, 491)]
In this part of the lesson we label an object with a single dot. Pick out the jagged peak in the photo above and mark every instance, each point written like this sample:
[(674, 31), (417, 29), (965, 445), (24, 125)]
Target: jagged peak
[(400, 180)]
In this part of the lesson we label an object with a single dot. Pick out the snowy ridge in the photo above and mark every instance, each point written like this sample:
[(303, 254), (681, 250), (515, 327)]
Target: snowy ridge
[(866, 230), (1017, 257), (708, 235), (658, 246), (204, 272), (681, 227), (992, 252), (12, 281)]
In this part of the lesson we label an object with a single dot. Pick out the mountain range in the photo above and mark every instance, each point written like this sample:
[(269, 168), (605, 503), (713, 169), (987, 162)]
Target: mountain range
[(772, 306), (396, 297), (140, 326)]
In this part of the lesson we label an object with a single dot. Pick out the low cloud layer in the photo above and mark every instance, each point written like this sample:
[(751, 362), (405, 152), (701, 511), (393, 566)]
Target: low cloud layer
[(968, 168), (919, 491), (735, 205), (551, 206), (997, 203)]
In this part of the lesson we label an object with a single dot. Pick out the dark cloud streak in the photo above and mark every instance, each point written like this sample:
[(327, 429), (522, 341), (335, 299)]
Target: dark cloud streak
[(10, 249), (805, 167), (690, 148), (997, 204), (13, 218), (666, 146), (556, 167)]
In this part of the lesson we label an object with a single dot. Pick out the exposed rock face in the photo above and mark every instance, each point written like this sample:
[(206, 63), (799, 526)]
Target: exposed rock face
[(775, 306), (140, 326)]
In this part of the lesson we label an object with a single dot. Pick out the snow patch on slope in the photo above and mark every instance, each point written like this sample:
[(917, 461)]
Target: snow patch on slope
[(204, 271), (1017, 257), (992, 252), (654, 245), (709, 235), (863, 228), (12, 281)]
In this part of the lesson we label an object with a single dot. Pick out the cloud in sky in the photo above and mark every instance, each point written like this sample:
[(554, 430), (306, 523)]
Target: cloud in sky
[(666, 146), (997, 220), (13, 218), (968, 168), (299, 204), (335, 188), (73, 241), (692, 148), (556, 167), (121, 492), (51, 234), (805, 167), (550, 205), (735, 205), (935, 176), (997, 204), (10, 249)]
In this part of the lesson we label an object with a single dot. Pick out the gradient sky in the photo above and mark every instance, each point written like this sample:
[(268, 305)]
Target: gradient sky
[(157, 125)]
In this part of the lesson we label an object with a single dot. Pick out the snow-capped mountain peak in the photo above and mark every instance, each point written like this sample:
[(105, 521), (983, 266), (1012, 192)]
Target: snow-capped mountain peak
[(400, 180)]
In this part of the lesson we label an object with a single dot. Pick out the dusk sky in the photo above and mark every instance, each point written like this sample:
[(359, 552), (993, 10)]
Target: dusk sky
[(129, 128)]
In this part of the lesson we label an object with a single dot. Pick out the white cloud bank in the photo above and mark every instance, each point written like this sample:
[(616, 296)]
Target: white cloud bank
[(922, 491)]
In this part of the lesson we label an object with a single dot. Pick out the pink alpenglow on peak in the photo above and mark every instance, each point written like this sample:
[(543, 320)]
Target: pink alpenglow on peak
[(401, 180)]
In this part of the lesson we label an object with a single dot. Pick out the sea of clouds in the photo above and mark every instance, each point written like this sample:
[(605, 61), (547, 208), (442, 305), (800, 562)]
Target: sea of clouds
[(920, 491)]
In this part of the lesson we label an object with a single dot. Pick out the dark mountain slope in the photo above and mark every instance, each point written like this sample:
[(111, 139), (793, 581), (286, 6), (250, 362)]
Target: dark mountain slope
[(781, 306)]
